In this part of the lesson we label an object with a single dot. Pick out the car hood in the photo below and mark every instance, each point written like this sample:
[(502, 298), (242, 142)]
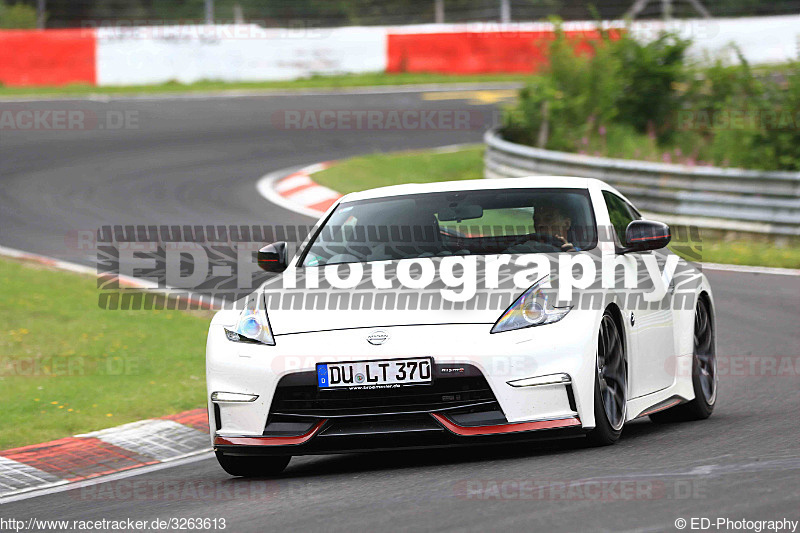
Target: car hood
[(287, 321), (295, 307), (303, 309)]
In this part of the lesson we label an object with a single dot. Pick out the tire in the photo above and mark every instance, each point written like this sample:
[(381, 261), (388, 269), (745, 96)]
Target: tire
[(246, 466), (610, 384), (704, 372)]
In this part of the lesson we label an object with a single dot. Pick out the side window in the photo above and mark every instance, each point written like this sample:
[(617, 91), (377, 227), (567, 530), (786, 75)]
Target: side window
[(620, 213)]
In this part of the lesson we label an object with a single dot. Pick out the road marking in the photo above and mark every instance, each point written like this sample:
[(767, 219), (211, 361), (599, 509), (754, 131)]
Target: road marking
[(751, 269), (479, 97), (255, 93)]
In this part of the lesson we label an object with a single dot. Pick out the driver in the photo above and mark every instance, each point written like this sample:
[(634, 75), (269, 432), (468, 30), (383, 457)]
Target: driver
[(553, 222)]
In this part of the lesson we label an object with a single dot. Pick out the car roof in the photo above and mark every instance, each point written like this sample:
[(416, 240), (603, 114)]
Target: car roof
[(529, 182)]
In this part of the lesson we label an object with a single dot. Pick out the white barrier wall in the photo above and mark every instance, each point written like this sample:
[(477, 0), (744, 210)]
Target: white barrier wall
[(760, 39), (246, 52), (151, 55)]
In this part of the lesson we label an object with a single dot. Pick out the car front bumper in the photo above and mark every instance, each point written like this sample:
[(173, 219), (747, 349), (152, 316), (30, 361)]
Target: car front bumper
[(566, 347)]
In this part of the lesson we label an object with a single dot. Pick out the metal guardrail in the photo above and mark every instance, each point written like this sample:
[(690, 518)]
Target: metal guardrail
[(719, 198)]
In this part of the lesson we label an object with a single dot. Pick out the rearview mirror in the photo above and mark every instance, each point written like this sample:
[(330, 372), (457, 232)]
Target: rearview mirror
[(460, 212), (272, 257), (643, 235)]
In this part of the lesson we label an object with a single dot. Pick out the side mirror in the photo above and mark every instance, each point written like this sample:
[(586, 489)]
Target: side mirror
[(643, 235), (272, 257)]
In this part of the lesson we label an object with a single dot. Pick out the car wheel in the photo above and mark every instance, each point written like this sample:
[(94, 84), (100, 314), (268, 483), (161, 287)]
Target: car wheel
[(611, 384), (704, 372), (245, 466)]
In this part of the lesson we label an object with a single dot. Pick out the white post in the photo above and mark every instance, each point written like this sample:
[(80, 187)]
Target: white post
[(209, 11), (637, 8), (505, 11), (700, 8), (439, 11), (666, 10), (40, 14)]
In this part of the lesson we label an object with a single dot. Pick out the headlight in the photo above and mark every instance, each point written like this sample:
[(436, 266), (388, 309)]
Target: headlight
[(533, 308), (253, 325)]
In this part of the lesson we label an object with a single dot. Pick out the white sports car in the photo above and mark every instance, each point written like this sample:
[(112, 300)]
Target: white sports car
[(459, 313)]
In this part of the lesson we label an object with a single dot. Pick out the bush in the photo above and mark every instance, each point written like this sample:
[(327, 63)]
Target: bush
[(653, 74), (645, 101), (577, 94), (762, 126), (622, 82), (17, 16)]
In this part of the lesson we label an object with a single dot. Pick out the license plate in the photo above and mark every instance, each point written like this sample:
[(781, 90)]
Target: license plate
[(375, 374)]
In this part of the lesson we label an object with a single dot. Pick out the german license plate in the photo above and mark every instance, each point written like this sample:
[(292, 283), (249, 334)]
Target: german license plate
[(378, 374)]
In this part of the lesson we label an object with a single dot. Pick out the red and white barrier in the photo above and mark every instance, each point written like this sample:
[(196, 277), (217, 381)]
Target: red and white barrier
[(247, 52), (50, 57)]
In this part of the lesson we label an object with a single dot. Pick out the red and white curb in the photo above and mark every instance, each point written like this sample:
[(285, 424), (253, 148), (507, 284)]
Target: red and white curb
[(109, 451), (102, 453), (297, 192)]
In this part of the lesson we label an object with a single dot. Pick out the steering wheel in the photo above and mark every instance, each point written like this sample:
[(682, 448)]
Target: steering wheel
[(543, 238)]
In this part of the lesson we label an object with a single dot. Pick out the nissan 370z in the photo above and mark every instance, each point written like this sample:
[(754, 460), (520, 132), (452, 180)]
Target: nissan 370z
[(460, 313)]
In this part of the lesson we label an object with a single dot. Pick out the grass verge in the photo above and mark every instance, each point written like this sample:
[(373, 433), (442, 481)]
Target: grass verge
[(67, 366), (378, 170), (314, 82)]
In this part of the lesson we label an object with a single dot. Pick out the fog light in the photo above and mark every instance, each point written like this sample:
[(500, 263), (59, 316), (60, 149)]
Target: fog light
[(232, 397), (550, 379)]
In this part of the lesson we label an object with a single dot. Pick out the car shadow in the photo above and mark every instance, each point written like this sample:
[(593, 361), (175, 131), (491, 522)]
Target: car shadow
[(393, 460)]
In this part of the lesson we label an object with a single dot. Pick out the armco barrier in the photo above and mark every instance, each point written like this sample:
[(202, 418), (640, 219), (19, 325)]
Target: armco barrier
[(720, 198)]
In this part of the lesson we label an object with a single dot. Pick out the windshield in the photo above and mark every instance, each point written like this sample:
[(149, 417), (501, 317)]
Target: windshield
[(503, 221)]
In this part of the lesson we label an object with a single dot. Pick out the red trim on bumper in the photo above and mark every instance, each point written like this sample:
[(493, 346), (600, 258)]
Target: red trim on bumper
[(505, 428), (269, 441)]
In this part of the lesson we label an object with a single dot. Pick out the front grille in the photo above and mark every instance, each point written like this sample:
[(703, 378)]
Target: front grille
[(298, 395)]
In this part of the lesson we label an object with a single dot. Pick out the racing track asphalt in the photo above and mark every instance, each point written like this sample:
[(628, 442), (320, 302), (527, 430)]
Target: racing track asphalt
[(195, 161)]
